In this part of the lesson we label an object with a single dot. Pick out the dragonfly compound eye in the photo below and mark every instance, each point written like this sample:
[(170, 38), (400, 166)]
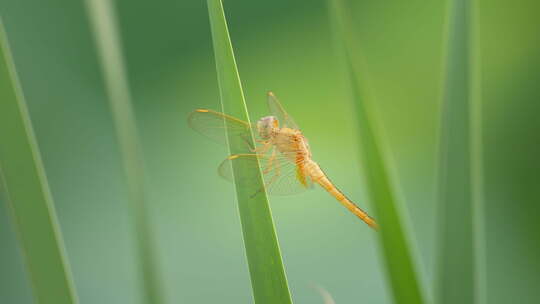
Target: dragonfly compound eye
[(265, 126)]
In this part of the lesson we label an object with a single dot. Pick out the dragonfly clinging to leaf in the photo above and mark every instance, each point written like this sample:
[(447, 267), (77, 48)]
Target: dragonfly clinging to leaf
[(282, 152)]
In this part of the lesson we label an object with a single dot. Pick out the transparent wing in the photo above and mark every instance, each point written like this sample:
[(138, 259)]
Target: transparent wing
[(281, 175), (285, 120), (213, 125)]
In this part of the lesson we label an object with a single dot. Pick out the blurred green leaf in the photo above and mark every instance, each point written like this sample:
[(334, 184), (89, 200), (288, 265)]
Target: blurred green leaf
[(461, 240), (393, 235), (104, 24), (28, 195), (262, 250)]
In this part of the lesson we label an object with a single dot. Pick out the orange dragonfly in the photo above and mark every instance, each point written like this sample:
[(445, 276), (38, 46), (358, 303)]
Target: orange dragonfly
[(282, 151)]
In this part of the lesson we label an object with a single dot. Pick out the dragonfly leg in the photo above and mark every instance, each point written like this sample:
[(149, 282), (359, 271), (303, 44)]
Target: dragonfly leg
[(277, 172), (270, 163), (246, 140), (265, 146), (276, 175), (266, 184)]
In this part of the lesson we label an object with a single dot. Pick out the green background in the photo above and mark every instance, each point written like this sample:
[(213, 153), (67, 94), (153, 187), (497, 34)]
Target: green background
[(287, 47)]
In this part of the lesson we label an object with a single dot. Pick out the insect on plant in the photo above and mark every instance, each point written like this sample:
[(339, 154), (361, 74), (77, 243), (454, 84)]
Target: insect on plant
[(282, 151)]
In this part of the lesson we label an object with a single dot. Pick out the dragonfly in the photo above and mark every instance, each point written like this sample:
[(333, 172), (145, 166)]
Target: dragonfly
[(280, 149)]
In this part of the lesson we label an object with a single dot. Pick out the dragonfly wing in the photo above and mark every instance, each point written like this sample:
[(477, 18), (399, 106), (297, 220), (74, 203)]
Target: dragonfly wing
[(281, 176), (215, 126), (289, 182), (277, 110)]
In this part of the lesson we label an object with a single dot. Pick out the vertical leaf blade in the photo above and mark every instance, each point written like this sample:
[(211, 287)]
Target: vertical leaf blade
[(393, 235), (477, 159), (103, 20), (268, 278), (28, 194), (460, 210)]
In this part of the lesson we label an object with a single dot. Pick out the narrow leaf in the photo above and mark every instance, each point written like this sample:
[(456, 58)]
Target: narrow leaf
[(262, 250), (393, 236), (104, 25), (460, 217), (28, 195)]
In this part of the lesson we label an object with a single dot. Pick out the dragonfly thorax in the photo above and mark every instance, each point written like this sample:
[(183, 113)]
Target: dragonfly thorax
[(266, 126)]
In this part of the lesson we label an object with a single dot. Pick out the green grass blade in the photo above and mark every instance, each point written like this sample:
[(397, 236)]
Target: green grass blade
[(393, 236), (103, 20), (460, 251), (262, 250), (477, 159), (28, 194)]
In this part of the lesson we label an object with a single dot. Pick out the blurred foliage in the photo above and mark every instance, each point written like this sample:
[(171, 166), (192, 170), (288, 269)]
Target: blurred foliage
[(458, 241), (400, 259), (285, 46), (27, 192)]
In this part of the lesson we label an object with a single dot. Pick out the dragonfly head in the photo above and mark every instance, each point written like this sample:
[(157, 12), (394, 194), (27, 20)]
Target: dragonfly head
[(266, 125)]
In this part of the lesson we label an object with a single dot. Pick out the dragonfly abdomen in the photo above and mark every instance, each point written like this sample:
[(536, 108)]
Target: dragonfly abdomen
[(318, 176)]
